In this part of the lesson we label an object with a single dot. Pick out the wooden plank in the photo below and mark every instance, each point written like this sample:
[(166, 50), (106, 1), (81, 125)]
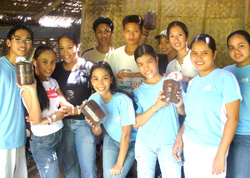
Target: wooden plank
[(48, 9)]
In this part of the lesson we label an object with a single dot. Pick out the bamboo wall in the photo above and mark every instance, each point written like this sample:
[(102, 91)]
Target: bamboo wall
[(215, 17)]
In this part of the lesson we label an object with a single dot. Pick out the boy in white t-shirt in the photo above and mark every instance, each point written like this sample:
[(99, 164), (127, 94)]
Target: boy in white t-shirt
[(122, 60), (103, 31)]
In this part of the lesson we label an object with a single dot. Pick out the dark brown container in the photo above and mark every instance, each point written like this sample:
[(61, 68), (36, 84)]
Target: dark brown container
[(24, 73), (170, 88), (93, 112), (150, 20)]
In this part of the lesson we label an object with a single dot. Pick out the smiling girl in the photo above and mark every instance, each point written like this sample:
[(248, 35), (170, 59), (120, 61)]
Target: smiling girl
[(212, 114), (238, 44), (177, 34), (119, 139), (157, 121), (42, 102)]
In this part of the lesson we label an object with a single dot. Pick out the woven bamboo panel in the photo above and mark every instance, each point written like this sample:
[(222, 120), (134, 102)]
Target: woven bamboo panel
[(215, 17)]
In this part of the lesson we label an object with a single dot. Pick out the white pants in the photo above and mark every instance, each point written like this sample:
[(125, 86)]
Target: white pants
[(199, 160), (13, 163)]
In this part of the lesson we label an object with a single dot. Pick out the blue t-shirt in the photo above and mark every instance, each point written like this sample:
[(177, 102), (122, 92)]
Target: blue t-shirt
[(162, 128), (205, 106), (243, 76), (119, 112), (12, 121)]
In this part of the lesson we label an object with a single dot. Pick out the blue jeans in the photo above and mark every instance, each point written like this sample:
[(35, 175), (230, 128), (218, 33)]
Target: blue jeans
[(146, 157), (47, 152), (238, 161), (111, 150), (80, 148)]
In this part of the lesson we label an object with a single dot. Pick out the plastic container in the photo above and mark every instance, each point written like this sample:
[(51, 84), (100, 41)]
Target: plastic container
[(170, 88), (150, 20), (93, 112), (24, 71)]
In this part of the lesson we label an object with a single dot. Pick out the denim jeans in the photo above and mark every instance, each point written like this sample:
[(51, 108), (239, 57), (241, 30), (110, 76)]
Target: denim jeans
[(111, 150), (47, 152), (146, 157), (80, 148), (238, 165)]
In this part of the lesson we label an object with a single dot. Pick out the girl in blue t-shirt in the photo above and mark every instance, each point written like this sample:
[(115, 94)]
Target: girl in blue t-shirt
[(119, 139), (212, 114), (157, 121), (238, 163)]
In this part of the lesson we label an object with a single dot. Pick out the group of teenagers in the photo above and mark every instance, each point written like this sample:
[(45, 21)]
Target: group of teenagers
[(126, 82)]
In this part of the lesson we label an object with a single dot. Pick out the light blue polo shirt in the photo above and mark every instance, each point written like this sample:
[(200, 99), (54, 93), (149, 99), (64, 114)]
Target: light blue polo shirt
[(243, 76), (162, 128), (12, 121), (205, 106), (119, 112)]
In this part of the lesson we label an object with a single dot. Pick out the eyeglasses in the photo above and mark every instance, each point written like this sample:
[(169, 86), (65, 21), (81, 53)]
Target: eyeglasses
[(19, 40)]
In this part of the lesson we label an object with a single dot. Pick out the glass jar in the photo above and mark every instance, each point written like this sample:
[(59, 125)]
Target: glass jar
[(24, 71)]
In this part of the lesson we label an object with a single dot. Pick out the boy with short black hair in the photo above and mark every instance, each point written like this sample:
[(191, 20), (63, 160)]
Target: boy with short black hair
[(122, 60), (12, 122), (103, 31)]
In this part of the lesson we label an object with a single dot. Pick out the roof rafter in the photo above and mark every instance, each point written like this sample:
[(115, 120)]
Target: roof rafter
[(48, 9)]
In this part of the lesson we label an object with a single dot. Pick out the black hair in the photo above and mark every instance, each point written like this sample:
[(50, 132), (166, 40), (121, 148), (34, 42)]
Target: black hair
[(242, 33), (113, 88), (209, 40), (70, 36), (41, 92), (20, 27), (105, 20), (180, 24), (132, 19), (144, 49)]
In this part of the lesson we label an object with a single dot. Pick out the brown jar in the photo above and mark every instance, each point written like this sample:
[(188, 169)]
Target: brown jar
[(170, 88), (24, 71), (150, 20), (93, 112)]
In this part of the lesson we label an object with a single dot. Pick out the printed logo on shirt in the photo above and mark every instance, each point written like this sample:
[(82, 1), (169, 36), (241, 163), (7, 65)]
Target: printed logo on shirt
[(207, 88), (70, 94), (244, 80), (52, 93)]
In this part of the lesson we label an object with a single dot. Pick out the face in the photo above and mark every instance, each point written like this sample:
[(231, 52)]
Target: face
[(177, 38), (165, 46), (132, 33), (45, 64), (20, 43), (101, 81), (148, 66), (203, 57), (68, 50), (239, 50), (103, 34)]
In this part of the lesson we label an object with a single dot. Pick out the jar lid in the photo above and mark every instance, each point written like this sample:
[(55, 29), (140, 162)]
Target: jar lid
[(21, 59)]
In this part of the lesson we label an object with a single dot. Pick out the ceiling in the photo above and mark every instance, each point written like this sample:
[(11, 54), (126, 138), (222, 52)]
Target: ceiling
[(30, 11)]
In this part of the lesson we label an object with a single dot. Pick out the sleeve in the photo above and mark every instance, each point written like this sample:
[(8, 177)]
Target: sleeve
[(230, 89), (126, 110), (139, 107), (55, 83)]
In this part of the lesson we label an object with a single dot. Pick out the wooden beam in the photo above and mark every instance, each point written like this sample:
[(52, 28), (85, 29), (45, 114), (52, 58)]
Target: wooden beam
[(48, 9), (14, 12), (246, 15)]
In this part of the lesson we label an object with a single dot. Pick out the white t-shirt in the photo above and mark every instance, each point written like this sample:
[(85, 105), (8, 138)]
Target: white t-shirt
[(125, 69), (94, 55), (42, 130), (187, 68)]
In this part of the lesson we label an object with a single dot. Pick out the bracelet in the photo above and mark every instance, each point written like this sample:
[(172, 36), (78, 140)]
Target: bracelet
[(49, 119), (78, 109)]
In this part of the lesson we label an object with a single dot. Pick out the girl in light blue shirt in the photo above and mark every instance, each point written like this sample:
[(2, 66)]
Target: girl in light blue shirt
[(119, 139), (238, 44)]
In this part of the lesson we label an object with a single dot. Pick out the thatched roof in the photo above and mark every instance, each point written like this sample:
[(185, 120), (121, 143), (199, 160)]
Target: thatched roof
[(30, 11)]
